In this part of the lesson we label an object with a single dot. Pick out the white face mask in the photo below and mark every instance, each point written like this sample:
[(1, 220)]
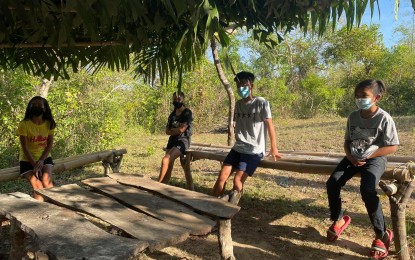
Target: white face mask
[(364, 103)]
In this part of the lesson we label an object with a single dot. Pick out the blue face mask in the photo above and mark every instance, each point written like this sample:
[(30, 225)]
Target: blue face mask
[(364, 103), (244, 91)]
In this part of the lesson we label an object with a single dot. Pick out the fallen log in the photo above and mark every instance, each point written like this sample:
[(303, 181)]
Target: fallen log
[(63, 164)]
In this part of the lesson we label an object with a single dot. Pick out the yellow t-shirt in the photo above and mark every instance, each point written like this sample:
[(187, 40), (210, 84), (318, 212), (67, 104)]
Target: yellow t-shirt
[(37, 136)]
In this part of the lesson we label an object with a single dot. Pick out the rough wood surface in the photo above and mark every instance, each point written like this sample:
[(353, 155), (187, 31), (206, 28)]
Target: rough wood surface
[(207, 204), (17, 240), (166, 210), (63, 164), (222, 148), (65, 234), (157, 233), (398, 217), (225, 229), (301, 165)]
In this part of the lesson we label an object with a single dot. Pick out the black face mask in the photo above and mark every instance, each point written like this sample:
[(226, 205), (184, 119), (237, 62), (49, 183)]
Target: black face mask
[(36, 111), (177, 104)]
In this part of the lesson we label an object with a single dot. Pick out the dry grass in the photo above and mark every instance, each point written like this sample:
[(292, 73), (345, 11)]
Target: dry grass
[(284, 214)]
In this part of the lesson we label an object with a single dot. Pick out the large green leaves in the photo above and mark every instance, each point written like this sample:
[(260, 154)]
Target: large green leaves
[(164, 36)]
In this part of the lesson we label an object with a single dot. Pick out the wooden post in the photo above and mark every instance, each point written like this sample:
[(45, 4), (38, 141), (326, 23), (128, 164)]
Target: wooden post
[(225, 231), (398, 209), (17, 240), (4, 237), (114, 162), (188, 171)]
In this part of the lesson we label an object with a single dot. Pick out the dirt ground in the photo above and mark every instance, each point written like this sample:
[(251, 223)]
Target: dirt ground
[(284, 215), (291, 227)]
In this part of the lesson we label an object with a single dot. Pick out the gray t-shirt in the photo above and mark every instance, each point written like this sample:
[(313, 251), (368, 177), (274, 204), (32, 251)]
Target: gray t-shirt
[(367, 135), (250, 128)]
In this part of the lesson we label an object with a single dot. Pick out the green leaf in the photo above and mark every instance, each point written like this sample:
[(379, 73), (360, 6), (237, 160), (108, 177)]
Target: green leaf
[(180, 6), (223, 37)]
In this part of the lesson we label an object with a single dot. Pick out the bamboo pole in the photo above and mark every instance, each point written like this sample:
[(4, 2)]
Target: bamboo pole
[(210, 145), (213, 147), (65, 163), (402, 159), (392, 170)]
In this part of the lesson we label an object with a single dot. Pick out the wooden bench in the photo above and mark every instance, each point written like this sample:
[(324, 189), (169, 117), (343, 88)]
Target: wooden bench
[(109, 158), (148, 215), (399, 169)]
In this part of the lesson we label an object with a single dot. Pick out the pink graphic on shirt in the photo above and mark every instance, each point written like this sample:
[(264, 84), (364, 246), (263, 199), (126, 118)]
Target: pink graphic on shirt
[(38, 139)]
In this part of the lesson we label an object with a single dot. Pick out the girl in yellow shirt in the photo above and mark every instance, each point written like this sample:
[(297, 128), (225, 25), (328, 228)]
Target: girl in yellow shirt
[(36, 139)]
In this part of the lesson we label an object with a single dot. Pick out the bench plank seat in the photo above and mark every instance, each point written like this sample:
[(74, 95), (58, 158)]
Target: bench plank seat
[(64, 233), (207, 204), (166, 210), (157, 233)]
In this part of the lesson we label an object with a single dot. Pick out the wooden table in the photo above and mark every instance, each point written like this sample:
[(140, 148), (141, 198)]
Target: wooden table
[(133, 213)]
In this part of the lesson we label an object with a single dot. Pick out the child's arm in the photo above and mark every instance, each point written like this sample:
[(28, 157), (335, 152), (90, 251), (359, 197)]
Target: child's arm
[(273, 139), (25, 148), (48, 149), (383, 151), (177, 130)]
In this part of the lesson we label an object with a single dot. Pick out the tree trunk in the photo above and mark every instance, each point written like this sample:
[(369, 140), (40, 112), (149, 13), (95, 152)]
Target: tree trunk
[(225, 82), (44, 88)]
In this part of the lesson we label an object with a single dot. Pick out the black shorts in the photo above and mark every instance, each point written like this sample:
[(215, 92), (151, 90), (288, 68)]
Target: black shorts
[(27, 166), (182, 144)]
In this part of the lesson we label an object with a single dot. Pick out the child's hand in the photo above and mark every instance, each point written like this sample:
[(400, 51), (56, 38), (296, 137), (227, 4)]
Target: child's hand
[(360, 163), (275, 154), (356, 163), (38, 166), (38, 174)]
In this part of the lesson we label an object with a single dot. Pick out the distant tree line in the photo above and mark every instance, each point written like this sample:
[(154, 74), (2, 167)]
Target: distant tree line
[(302, 77)]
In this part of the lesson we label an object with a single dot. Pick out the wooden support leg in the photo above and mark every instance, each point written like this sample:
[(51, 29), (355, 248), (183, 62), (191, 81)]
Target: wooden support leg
[(398, 209), (17, 240), (4, 237), (113, 162), (225, 239), (188, 172), (225, 236)]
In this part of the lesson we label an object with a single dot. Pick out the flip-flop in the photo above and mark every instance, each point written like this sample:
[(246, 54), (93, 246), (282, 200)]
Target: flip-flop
[(334, 232), (379, 246)]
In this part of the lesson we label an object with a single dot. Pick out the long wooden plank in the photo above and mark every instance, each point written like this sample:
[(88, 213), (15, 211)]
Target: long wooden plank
[(64, 233), (63, 164), (166, 210), (157, 233), (201, 202), (393, 169)]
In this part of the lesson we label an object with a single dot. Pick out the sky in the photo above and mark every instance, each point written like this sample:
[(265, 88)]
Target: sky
[(388, 22), (387, 19)]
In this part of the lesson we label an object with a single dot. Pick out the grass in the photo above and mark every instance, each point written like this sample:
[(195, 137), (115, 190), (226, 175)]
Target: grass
[(270, 195)]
